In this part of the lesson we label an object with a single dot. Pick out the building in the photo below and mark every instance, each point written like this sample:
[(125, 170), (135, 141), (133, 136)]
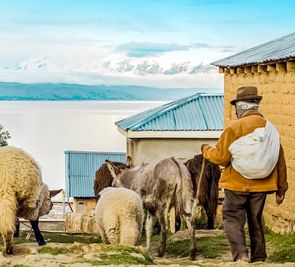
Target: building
[(174, 129), (271, 68), (80, 173)]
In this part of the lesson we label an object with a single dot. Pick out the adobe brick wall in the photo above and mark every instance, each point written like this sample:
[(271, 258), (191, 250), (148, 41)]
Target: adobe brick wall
[(278, 105)]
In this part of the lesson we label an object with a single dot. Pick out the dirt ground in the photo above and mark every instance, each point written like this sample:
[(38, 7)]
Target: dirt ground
[(89, 255)]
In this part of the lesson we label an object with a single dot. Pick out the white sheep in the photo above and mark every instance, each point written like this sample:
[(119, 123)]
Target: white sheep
[(119, 216), (22, 193)]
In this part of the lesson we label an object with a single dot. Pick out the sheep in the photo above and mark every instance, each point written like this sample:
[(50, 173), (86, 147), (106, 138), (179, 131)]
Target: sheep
[(22, 194), (119, 216)]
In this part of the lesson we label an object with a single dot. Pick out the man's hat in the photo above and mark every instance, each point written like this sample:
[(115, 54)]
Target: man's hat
[(246, 93)]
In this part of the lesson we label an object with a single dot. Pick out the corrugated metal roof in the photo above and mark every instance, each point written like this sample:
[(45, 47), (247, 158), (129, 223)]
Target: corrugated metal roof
[(81, 167), (200, 112), (279, 49)]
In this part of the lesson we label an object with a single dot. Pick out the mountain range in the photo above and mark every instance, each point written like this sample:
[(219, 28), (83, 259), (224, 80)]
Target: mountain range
[(62, 91), (139, 67)]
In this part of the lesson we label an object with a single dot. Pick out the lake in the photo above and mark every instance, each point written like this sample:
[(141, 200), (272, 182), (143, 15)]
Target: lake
[(45, 129)]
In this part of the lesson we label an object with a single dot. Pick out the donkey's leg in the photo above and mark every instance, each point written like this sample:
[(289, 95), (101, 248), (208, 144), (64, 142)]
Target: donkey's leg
[(210, 219), (188, 223), (149, 230), (38, 235), (163, 220)]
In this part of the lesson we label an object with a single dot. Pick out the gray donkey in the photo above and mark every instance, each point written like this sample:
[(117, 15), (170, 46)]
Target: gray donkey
[(161, 186)]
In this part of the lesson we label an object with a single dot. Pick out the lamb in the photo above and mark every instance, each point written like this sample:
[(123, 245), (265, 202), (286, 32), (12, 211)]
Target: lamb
[(119, 216), (22, 194)]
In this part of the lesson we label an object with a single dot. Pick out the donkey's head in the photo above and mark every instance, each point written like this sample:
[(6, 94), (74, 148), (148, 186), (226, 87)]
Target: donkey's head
[(116, 173), (121, 177)]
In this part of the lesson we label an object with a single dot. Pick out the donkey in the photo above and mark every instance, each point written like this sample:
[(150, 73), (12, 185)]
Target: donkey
[(208, 186), (103, 177), (161, 186)]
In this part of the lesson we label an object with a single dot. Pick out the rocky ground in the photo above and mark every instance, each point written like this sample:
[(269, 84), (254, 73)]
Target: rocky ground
[(79, 254)]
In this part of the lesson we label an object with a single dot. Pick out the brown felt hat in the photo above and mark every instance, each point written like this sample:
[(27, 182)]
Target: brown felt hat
[(246, 93)]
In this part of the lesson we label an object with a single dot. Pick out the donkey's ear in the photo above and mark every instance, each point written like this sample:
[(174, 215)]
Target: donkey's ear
[(112, 168), (129, 162), (53, 193)]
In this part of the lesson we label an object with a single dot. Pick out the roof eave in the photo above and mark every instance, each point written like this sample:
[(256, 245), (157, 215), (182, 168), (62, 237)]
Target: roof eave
[(265, 62), (215, 134)]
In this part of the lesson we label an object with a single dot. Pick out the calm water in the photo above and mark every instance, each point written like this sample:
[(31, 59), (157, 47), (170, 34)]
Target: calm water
[(47, 129)]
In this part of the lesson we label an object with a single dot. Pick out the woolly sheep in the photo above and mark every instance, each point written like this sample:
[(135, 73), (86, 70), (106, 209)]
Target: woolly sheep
[(119, 216), (22, 193)]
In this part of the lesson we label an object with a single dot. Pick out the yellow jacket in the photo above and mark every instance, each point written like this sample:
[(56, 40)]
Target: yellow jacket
[(233, 180)]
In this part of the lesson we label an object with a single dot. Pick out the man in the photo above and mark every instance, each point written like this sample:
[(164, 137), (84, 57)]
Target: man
[(245, 196)]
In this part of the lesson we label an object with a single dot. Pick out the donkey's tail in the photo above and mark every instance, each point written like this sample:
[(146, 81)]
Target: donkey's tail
[(183, 192)]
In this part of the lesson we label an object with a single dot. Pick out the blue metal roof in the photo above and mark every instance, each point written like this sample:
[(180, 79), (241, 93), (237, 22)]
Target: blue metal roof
[(200, 112), (80, 170), (279, 49)]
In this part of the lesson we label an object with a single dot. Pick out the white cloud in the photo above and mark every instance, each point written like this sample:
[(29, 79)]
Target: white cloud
[(101, 65)]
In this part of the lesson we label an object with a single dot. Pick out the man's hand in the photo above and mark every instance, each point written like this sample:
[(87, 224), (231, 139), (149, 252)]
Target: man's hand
[(203, 146), (279, 198)]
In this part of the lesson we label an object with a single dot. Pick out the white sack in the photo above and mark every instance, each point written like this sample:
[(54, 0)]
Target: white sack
[(255, 155)]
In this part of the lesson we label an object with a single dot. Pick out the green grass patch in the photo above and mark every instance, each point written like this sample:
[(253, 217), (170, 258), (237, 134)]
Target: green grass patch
[(60, 238), (120, 255), (283, 245), (207, 247), (76, 249), (52, 251)]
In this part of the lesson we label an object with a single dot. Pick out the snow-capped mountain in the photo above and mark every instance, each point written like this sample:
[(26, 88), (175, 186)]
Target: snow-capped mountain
[(145, 67), (114, 70), (137, 67), (42, 63)]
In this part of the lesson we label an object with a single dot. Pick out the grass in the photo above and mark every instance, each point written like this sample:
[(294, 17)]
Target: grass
[(120, 255), (21, 265), (106, 254), (207, 247), (280, 248), (52, 251), (60, 238), (283, 247)]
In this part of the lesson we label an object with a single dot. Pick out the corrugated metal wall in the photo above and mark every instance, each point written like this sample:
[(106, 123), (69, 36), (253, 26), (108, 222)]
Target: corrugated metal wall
[(81, 167)]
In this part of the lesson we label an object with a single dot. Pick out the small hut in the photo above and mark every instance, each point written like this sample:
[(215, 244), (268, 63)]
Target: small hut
[(175, 129), (80, 174), (271, 68)]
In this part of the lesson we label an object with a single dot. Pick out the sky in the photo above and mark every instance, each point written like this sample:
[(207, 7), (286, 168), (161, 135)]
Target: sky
[(160, 43)]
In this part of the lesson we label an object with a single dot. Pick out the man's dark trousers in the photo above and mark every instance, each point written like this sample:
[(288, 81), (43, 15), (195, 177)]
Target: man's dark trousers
[(238, 206)]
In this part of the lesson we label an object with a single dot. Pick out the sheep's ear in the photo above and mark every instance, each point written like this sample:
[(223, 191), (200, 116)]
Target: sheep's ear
[(54, 192), (129, 162), (112, 168)]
